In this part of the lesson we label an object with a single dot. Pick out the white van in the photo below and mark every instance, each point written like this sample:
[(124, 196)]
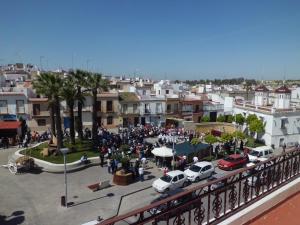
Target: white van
[(260, 152)]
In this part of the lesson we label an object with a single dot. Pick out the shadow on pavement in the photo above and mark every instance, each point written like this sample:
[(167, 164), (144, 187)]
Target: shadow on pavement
[(17, 217), (94, 199)]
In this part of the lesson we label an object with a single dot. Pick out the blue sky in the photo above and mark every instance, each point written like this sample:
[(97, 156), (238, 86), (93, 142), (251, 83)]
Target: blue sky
[(158, 39)]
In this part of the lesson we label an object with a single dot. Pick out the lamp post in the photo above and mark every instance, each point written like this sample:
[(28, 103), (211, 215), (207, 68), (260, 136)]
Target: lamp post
[(64, 151)]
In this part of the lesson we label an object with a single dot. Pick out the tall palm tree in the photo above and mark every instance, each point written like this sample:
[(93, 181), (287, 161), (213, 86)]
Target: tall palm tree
[(96, 85), (41, 85), (56, 82), (69, 93), (80, 82), (49, 84)]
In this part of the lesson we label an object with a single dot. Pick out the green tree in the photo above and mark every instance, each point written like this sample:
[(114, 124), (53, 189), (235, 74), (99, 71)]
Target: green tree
[(210, 139), (96, 85), (257, 126), (250, 118), (226, 137), (80, 77), (205, 119), (221, 118), (229, 119), (195, 141), (49, 84), (239, 135), (240, 119), (69, 93), (42, 88)]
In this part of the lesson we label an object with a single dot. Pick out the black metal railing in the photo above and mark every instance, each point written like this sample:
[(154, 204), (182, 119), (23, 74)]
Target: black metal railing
[(215, 201)]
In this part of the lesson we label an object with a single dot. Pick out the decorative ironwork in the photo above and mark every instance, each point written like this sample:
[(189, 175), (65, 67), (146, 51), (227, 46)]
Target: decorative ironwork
[(217, 205), (269, 178), (257, 184), (287, 169), (199, 213), (232, 197), (179, 220), (209, 205), (246, 190), (295, 166)]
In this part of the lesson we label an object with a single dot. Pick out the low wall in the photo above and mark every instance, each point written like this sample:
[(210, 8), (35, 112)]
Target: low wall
[(206, 127), (59, 168)]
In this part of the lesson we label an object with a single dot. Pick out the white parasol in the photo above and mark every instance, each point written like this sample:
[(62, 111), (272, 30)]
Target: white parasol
[(162, 152)]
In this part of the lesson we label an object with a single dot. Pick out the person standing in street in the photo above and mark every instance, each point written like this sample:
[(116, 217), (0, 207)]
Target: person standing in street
[(108, 161), (141, 173)]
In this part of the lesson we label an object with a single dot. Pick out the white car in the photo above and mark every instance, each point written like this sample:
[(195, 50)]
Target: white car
[(260, 152), (199, 171), (171, 181)]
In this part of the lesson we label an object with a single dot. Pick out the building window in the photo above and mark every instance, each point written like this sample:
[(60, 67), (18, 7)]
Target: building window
[(158, 92), (36, 109), (3, 106), (109, 106), (99, 106), (147, 108), (125, 107), (176, 107), (169, 108), (135, 108), (167, 92), (283, 123), (158, 108), (144, 92), (20, 106), (109, 120), (41, 122)]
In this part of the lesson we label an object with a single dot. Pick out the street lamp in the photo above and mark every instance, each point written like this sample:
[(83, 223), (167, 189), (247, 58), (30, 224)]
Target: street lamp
[(64, 151)]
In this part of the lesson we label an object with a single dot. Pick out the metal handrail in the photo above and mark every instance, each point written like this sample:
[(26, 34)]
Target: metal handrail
[(279, 162)]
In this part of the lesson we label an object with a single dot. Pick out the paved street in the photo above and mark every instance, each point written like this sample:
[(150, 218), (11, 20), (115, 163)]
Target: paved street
[(35, 197)]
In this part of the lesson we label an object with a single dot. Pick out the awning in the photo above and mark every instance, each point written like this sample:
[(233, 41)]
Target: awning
[(9, 125)]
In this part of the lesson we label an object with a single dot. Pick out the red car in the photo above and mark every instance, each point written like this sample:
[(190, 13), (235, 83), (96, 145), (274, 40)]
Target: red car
[(232, 162)]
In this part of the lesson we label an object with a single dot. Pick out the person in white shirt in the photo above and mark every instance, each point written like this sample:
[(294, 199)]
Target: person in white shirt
[(141, 173), (195, 159)]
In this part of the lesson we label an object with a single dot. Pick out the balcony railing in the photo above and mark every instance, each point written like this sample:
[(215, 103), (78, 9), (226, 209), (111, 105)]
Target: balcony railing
[(3, 110), (214, 201), (147, 111), (20, 109), (41, 113)]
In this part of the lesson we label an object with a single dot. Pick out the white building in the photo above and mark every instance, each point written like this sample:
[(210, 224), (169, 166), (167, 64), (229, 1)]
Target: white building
[(282, 121)]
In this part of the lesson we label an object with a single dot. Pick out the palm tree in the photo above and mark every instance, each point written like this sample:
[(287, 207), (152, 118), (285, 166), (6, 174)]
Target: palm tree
[(41, 85), (56, 82), (80, 81), (96, 84), (69, 93)]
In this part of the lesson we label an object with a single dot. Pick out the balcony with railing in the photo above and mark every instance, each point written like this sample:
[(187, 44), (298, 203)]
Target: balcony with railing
[(147, 111), (3, 110), (21, 110), (216, 200), (41, 113)]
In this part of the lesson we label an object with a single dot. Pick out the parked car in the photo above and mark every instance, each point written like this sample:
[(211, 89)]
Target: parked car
[(260, 152), (199, 171), (232, 162), (172, 180), (178, 201), (257, 172), (218, 186)]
